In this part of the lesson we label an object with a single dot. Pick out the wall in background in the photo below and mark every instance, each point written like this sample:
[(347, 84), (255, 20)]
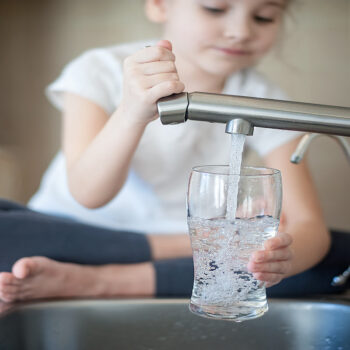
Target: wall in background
[(39, 37), (312, 65)]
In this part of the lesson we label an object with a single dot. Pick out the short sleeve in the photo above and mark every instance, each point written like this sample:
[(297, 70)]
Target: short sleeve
[(95, 75)]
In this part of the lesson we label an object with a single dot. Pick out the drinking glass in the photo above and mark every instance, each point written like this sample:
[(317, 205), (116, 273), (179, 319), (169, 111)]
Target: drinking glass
[(222, 241)]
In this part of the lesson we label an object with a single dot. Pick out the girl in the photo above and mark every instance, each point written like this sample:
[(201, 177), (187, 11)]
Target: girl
[(123, 172)]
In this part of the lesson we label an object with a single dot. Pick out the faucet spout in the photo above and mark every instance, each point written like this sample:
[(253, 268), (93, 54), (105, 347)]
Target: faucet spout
[(239, 126), (258, 112), (305, 141)]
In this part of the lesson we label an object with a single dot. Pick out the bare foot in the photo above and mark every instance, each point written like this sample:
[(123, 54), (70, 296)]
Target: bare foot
[(8, 286), (40, 277)]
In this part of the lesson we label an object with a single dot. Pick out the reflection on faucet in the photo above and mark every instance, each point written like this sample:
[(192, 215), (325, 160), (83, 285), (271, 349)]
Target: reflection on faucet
[(305, 141)]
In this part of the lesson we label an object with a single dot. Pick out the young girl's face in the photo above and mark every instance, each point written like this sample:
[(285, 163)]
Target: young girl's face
[(221, 36)]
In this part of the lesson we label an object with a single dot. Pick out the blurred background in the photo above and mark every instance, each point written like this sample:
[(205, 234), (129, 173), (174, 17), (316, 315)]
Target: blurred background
[(38, 37)]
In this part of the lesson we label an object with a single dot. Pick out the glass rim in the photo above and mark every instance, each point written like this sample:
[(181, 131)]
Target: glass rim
[(205, 169)]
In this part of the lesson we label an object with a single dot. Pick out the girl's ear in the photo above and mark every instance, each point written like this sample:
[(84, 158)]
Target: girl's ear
[(156, 10)]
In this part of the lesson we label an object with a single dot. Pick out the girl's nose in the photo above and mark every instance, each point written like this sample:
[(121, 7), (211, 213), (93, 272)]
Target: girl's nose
[(239, 29)]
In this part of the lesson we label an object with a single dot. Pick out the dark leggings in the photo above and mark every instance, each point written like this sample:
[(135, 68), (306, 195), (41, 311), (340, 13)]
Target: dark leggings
[(24, 233)]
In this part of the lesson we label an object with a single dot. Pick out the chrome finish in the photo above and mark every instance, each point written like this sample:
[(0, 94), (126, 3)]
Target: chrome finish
[(173, 109), (265, 113), (341, 279), (168, 324), (239, 126), (305, 141)]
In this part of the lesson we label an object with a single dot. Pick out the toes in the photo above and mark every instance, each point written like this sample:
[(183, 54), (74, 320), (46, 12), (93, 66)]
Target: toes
[(25, 267), (8, 298), (7, 278), (9, 287), (9, 294)]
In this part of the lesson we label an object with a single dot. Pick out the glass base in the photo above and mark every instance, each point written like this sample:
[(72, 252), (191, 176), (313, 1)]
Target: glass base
[(237, 313)]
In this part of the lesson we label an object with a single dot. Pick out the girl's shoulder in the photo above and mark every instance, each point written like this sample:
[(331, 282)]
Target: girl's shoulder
[(96, 74)]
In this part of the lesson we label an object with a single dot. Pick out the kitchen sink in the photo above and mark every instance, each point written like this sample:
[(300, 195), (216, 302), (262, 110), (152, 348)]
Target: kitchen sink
[(152, 324)]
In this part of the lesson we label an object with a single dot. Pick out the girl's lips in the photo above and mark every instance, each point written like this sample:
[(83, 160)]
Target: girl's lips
[(233, 52)]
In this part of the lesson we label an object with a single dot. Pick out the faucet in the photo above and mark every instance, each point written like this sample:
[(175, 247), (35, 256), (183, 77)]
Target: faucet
[(305, 141), (241, 114), (297, 157)]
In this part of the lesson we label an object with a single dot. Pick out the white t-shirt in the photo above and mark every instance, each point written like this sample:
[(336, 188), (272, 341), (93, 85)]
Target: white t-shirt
[(153, 199)]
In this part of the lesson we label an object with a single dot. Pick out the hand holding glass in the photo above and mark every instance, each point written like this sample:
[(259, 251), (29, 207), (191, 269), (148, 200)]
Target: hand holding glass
[(222, 241)]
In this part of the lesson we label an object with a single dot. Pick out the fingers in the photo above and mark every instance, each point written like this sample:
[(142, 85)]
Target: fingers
[(275, 262), (281, 267), (269, 278), (165, 43), (270, 273), (151, 88), (282, 239), (149, 75), (165, 89), (153, 71), (153, 80), (158, 67), (151, 54), (272, 255)]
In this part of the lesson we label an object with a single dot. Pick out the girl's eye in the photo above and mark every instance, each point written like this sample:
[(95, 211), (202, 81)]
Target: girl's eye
[(214, 10), (263, 20)]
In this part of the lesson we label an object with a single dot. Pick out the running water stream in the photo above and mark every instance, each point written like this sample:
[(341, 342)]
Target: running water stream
[(236, 152)]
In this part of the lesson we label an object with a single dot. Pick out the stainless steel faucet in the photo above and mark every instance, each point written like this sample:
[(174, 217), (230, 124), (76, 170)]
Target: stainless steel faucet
[(297, 157), (305, 141), (242, 114)]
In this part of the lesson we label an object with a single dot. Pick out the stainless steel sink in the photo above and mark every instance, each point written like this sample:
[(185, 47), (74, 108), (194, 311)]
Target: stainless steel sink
[(159, 324)]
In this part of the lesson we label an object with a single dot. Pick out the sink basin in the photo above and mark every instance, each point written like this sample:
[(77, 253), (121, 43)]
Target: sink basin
[(167, 324)]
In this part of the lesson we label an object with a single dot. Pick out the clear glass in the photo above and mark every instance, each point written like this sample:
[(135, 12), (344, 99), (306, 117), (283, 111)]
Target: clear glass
[(223, 288)]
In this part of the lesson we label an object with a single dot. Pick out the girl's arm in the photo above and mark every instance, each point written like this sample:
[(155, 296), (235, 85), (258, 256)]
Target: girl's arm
[(307, 240), (98, 148)]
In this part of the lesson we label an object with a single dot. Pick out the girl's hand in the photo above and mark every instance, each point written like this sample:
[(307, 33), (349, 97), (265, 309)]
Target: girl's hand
[(273, 263), (149, 75)]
